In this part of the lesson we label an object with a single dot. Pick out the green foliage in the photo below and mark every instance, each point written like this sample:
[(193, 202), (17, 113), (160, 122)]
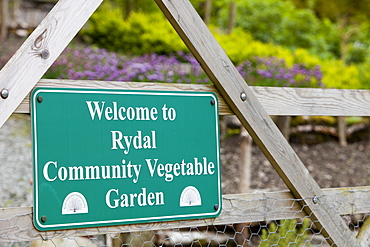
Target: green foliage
[(287, 233), (351, 19), (241, 46), (339, 75), (356, 53), (127, 6), (354, 120), (139, 34), (281, 23)]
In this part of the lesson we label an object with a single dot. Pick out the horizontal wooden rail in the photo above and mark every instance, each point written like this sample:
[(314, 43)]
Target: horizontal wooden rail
[(16, 223), (276, 100)]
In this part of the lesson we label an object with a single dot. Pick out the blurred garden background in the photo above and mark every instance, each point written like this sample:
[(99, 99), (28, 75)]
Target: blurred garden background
[(299, 43), (296, 43)]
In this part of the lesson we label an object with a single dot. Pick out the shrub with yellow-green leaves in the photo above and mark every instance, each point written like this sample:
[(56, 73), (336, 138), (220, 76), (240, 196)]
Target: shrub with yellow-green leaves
[(139, 34)]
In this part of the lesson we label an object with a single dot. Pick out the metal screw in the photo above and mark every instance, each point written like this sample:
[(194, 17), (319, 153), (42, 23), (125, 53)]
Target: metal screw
[(4, 93), (213, 101), (243, 96), (40, 99), (43, 219), (315, 200), (216, 206), (45, 54)]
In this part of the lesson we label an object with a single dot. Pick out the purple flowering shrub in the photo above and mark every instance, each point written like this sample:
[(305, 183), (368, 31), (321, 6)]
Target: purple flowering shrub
[(274, 72), (99, 64)]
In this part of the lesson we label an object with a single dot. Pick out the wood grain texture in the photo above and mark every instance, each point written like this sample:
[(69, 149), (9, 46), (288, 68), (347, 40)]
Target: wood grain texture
[(364, 235), (25, 108), (276, 100), (27, 66), (255, 119), (16, 223), (313, 101)]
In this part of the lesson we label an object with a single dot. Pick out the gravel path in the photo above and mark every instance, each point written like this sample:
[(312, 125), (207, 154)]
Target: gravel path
[(16, 162)]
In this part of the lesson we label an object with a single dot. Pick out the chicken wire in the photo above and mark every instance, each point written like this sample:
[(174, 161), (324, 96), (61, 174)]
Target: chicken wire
[(259, 219)]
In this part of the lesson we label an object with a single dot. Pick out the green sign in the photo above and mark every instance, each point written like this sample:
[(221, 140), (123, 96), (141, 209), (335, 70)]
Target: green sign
[(109, 157)]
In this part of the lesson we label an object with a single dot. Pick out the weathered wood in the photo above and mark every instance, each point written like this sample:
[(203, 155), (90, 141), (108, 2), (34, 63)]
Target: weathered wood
[(252, 115), (232, 13), (40, 50), (364, 235), (245, 161), (342, 129), (25, 108), (283, 123), (313, 101), (208, 12), (16, 223), (276, 101), (3, 19)]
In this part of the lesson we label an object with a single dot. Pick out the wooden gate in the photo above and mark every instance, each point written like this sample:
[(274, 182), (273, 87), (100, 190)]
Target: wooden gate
[(44, 45)]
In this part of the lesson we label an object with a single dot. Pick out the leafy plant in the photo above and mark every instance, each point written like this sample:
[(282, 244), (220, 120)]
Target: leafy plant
[(281, 23), (287, 233), (137, 35)]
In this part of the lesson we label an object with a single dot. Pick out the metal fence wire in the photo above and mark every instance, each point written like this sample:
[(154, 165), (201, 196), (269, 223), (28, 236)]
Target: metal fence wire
[(258, 219)]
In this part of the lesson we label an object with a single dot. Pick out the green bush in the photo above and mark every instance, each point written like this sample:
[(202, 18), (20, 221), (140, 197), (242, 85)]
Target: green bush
[(137, 35), (339, 75), (281, 23), (240, 46)]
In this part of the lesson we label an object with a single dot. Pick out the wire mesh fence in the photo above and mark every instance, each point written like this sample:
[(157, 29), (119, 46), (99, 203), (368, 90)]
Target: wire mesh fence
[(258, 219)]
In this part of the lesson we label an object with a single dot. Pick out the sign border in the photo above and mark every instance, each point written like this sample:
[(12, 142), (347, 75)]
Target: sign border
[(36, 217)]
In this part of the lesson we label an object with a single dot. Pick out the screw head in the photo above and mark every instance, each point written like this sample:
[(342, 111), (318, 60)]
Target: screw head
[(213, 101), (315, 200), (243, 96), (4, 93), (43, 219), (216, 206), (40, 99), (45, 54)]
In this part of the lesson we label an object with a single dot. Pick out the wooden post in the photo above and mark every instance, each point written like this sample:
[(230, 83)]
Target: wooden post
[(208, 12), (108, 240), (128, 8), (232, 13), (342, 129), (241, 229), (245, 161), (252, 115), (4, 18), (283, 123)]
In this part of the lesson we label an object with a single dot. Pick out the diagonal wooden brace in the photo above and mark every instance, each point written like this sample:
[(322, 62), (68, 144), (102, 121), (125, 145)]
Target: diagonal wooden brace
[(242, 101), (40, 50)]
